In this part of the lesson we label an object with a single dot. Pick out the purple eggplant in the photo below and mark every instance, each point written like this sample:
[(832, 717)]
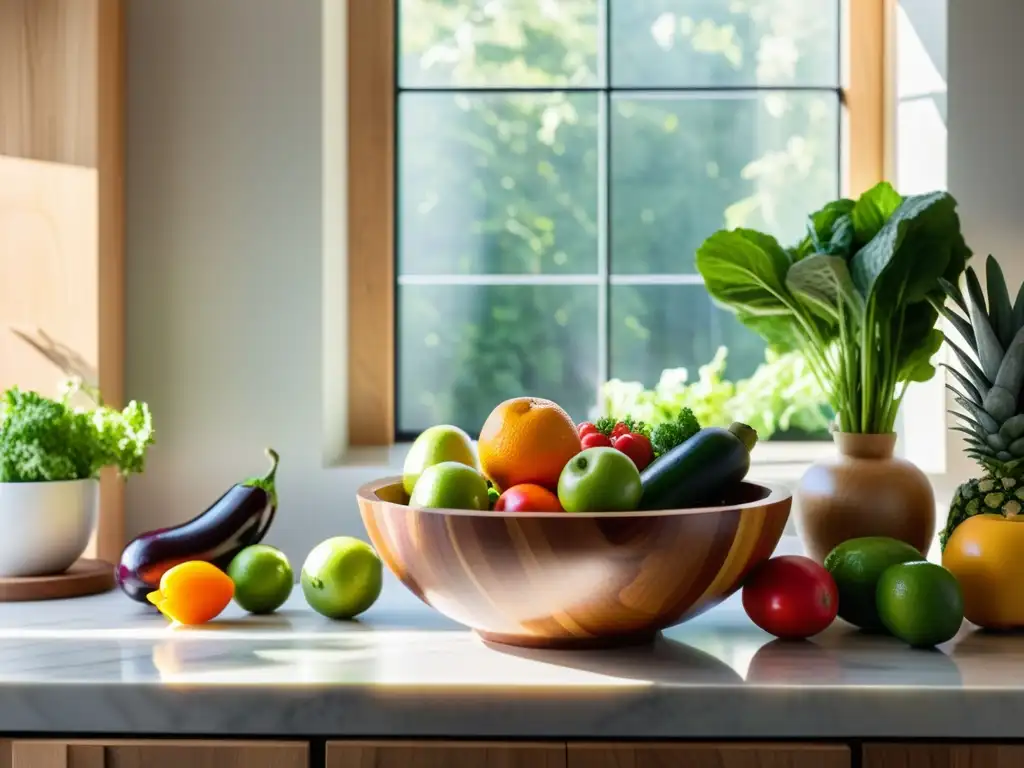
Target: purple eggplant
[(235, 521)]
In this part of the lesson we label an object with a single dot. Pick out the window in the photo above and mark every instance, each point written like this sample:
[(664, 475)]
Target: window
[(547, 171)]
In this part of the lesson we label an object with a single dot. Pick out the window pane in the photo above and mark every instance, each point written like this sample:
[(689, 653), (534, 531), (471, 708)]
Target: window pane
[(463, 349), (718, 43), (684, 166), (498, 183), (655, 327), (483, 43)]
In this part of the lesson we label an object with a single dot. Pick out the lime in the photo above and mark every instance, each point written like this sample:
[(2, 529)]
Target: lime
[(341, 577), (920, 603), (263, 578), (856, 566)]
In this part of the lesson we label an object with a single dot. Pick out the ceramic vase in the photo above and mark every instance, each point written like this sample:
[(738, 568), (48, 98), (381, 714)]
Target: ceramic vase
[(863, 491), (46, 526)]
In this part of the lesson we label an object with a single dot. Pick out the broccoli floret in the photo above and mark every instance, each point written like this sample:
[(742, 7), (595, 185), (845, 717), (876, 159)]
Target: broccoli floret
[(667, 436)]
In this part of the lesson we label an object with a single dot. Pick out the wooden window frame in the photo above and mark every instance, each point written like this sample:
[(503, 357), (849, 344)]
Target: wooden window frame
[(371, 189)]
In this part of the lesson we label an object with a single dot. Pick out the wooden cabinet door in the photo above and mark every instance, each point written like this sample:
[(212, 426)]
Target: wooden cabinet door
[(708, 756), (943, 756), (428, 754), (153, 754)]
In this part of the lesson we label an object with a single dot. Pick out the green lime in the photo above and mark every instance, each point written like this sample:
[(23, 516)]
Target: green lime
[(856, 566), (342, 577), (263, 578), (920, 603)]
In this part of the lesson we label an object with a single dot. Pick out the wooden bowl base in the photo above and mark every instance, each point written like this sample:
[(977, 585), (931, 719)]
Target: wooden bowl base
[(570, 643)]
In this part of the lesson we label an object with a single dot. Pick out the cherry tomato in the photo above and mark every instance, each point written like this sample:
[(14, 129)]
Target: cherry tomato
[(637, 447), (791, 597), (586, 428), (619, 430), (595, 440)]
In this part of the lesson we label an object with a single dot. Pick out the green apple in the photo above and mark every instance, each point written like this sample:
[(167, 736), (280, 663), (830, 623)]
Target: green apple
[(450, 485), (434, 445), (600, 480)]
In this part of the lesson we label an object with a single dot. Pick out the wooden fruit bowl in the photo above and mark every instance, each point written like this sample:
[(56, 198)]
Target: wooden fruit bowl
[(573, 580)]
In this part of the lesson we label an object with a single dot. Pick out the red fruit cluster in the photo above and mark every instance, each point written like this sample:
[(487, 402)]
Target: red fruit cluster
[(633, 444)]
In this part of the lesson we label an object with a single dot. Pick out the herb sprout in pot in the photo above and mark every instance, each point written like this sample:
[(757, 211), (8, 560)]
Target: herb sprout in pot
[(859, 297), (51, 453)]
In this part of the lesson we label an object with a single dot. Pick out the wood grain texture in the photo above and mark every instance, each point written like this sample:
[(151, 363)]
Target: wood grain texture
[(371, 203), (612, 755), (61, 207), (548, 580), (943, 756), (154, 754), (48, 80), (85, 577), (441, 755), (867, 94)]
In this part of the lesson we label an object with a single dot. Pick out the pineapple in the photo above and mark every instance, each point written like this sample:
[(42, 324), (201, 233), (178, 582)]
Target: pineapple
[(989, 392)]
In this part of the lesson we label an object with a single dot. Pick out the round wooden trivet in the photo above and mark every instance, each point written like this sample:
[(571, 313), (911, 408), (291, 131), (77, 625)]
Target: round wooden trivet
[(85, 577)]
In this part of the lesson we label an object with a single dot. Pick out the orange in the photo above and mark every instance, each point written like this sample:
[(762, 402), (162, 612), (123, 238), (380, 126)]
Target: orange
[(527, 440), (986, 554), (193, 593)]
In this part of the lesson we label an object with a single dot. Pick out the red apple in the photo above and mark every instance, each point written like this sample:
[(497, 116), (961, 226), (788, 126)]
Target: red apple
[(527, 497), (791, 597)]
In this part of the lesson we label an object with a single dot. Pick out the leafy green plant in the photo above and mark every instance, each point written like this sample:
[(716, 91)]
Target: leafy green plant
[(48, 440), (856, 296), (781, 395)]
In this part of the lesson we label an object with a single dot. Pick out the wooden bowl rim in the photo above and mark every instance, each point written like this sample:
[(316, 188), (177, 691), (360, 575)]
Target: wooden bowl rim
[(776, 493)]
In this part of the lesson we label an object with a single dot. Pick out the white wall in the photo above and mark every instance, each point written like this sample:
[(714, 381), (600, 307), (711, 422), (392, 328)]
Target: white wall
[(225, 260), (986, 152)]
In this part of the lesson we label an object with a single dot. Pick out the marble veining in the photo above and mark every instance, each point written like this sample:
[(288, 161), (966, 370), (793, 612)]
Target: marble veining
[(106, 665)]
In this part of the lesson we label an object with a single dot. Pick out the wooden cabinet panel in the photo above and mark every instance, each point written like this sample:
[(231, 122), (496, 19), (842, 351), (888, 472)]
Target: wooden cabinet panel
[(708, 756), (426, 754), (943, 756), (153, 754), (61, 207)]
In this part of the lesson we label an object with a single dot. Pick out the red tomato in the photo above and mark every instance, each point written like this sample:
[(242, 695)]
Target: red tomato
[(791, 597), (586, 428), (619, 429), (527, 497), (595, 440), (637, 447)]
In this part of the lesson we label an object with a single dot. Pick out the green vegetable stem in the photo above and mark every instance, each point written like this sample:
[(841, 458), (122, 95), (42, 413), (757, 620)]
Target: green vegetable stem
[(50, 440), (858, 296)]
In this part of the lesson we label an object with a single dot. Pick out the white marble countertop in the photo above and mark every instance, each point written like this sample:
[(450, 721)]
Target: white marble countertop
[(107, 666)]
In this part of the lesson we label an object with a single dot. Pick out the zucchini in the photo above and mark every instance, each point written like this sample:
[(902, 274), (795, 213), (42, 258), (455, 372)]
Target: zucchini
[(699, 471)]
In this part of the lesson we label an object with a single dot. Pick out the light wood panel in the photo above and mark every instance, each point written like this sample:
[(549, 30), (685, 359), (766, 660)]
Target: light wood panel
[(867, 94), (61, 207), (154, 754), (48, 80), (371, 196), (943, 756), (708, 756), (429, 754)]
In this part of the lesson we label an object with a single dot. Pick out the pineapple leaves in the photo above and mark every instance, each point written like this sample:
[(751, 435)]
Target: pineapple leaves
[(967, 389), (1000, 311), (987, 346)]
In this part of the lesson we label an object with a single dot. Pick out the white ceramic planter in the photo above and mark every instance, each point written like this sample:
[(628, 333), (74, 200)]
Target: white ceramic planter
[(45, 527)]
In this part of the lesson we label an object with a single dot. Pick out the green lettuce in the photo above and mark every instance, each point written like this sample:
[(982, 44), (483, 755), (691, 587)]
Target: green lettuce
[(42, 439)]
